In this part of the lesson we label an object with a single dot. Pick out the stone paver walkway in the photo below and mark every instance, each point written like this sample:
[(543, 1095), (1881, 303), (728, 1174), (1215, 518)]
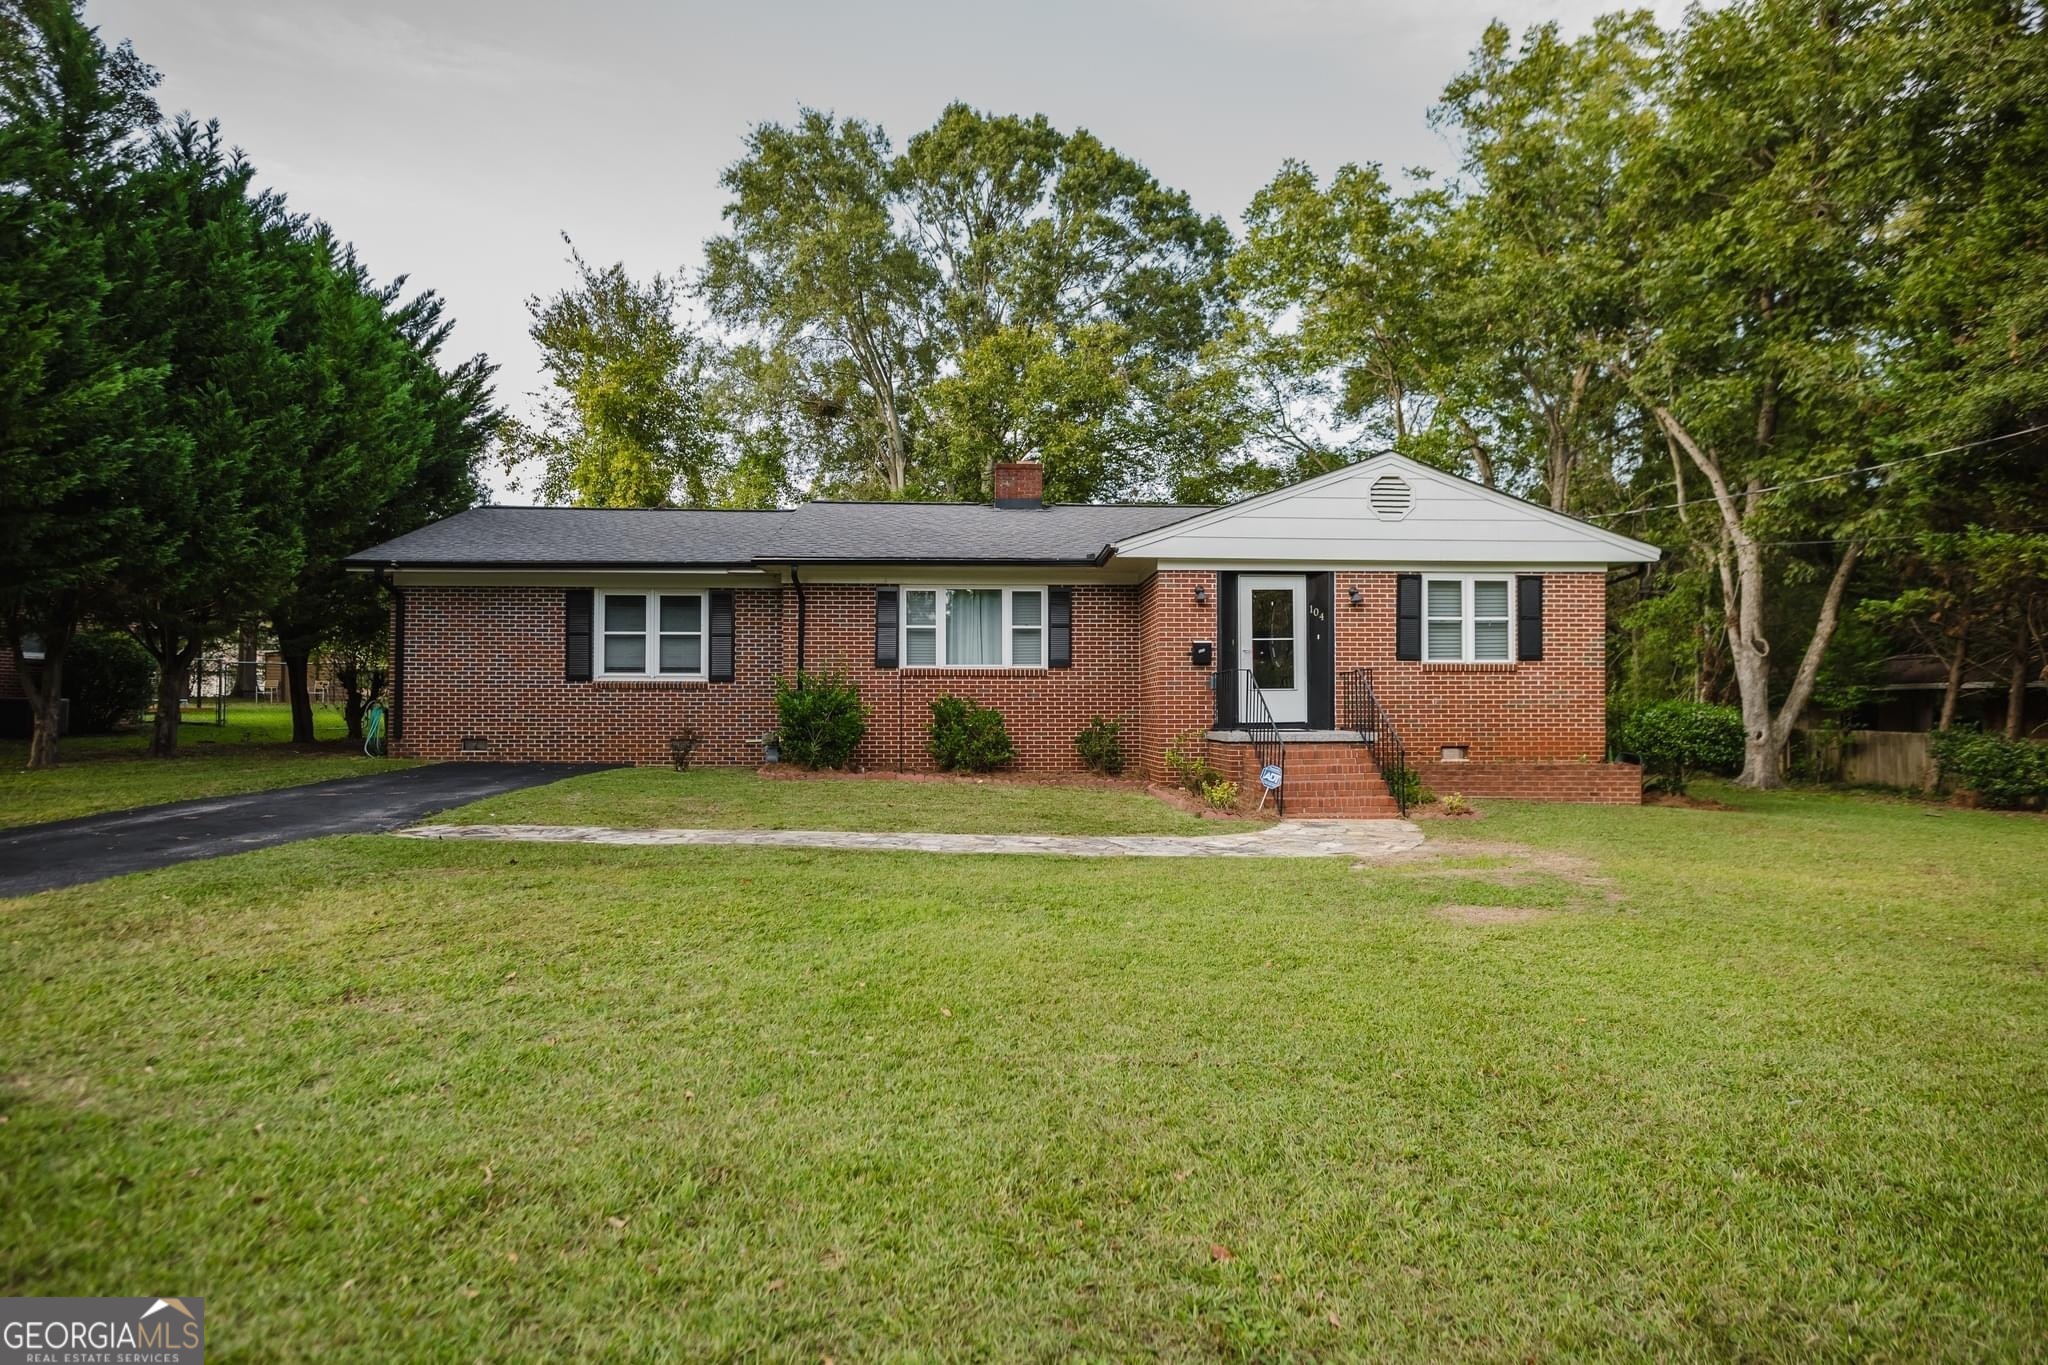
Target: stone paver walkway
[(1288, 839)]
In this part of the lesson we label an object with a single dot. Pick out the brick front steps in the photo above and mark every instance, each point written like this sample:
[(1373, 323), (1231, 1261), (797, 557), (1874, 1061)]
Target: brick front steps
[(1324, 778), (1330, 776)]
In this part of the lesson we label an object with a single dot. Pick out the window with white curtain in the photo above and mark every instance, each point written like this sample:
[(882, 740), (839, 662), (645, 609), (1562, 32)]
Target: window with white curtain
[(973, 627), (1467, 620), (651, 634)]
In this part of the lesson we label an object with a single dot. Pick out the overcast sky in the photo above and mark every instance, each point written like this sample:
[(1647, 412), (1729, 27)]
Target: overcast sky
[(454, 140)]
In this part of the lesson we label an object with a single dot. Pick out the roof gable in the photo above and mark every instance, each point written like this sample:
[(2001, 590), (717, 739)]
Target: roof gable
[(1333, 519)]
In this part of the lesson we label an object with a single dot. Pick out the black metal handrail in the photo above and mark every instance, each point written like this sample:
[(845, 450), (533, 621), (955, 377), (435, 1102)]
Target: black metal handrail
[(1363, 713), (1249, 713)]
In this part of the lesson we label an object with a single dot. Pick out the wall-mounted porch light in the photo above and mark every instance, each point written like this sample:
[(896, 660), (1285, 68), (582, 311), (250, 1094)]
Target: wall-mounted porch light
[(1201, 596), (1357, 598)]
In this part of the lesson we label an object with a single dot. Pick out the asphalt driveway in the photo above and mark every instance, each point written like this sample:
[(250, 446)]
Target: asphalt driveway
[(67, 852)]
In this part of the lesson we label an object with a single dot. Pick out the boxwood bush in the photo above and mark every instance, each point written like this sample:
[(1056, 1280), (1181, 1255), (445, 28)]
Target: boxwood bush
[(2004, 773), (1677, 739), (819, 719), (968, 737), (1101, 746)]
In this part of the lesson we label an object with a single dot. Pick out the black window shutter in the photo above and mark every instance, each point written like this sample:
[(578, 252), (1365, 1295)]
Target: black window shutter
[(1408, 616), (1059, 633), (1529, 617), (1224, 679), (721, 635), (885, 627), (576, 613)]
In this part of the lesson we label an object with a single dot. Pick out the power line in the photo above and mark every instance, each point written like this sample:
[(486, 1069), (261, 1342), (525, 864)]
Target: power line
[(1823, 478), (1903, 535)]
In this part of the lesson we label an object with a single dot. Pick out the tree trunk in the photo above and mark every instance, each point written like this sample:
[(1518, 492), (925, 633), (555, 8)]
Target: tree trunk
[(297, 664), (170, 690), (1765, 735), (1958, 661), (2016, 682), (248, 668), (173, 661), (42, 684), (348, 673), (46, 711)]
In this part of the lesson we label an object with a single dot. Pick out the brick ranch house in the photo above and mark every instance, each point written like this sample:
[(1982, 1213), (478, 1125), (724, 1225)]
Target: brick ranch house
[(1475, 621)]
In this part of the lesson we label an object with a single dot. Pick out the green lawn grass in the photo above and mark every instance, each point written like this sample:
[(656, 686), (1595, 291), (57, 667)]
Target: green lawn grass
[(1761, 1083), (253, 752), (715, 798)]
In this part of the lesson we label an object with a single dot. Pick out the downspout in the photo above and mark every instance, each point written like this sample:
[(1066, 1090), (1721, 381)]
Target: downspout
[(796, 580)]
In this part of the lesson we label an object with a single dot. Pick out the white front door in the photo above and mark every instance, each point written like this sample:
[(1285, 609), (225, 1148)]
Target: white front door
[(1272, 641)]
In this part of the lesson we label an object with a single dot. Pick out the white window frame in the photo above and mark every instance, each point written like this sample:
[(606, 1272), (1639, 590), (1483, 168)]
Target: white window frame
[(938, 626), (652, 635), (1467, 617)]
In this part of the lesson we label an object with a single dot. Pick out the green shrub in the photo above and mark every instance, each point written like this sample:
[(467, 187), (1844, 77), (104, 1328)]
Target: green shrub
[(1219, 794), (1187, 758), (2004, 773), (1677, 739), (819, 719), (1101, 746), (1405, 784), (968, 737), (110, 680)]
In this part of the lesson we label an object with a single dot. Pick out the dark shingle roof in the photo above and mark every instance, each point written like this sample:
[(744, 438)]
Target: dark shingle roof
[(965, 533), (818, 532), (558, 537)]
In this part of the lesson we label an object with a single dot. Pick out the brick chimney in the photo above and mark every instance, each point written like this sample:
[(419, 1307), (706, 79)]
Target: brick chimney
[(1020, 483)]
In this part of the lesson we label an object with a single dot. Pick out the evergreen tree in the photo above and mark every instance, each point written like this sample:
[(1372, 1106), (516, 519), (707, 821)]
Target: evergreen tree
[(73, 389)]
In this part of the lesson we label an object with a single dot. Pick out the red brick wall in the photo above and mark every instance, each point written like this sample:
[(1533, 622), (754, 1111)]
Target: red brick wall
[(1043, 708), (10, 685), (1173, 694), (1616, 784), (1550, 709), (486, 663)]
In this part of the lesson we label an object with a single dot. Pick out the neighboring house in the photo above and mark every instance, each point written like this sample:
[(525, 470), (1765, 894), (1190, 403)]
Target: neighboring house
[(1478, 620), (1908, 697), (17, 717)]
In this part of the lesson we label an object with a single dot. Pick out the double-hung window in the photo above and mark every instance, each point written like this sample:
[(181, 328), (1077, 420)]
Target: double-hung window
[(1466, 620), (974, 627), (651, 634)]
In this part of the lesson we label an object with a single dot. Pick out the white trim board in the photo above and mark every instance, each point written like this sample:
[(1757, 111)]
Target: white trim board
[(1330, 520)]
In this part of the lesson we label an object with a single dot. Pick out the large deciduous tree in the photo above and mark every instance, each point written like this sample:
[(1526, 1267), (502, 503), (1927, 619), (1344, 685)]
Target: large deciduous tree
[(1076, 296), (626, 424), (1000, 289), (816, 263)]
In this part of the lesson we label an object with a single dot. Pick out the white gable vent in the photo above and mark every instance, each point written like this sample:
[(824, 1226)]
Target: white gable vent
[(1391, 497)]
